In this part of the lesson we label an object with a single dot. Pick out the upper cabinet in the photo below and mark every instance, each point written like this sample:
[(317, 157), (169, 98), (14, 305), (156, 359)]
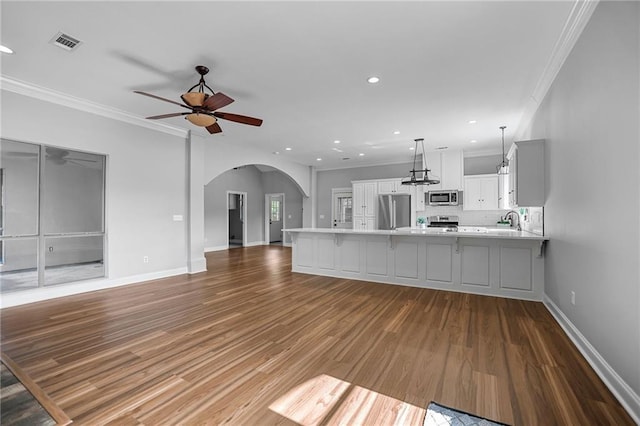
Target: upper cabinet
[(480, 192), (447, 165), (393, 186), (525, 185), (364, 204)]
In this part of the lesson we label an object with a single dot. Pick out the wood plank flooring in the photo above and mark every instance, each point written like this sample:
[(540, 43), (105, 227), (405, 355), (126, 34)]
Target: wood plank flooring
[(251, 343)]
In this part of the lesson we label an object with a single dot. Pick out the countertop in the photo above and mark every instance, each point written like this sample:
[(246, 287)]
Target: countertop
[(463, 232)]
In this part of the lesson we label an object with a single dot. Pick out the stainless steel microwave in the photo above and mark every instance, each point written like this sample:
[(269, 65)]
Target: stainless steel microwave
[(442, 198)]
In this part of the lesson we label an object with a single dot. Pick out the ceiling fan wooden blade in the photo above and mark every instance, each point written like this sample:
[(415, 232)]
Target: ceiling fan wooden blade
[(175, 114), (238, 118), (214, 128), (162, 99), (217, 101)]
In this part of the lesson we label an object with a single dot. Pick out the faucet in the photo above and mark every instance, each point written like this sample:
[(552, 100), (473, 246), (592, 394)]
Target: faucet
[(510, 219)]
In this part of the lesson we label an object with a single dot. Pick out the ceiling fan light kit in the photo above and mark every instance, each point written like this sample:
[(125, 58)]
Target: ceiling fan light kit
[(194, 98), (203, 106), (202, 120)]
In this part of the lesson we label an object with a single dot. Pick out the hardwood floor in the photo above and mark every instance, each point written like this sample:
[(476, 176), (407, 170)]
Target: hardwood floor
[(251, 343)]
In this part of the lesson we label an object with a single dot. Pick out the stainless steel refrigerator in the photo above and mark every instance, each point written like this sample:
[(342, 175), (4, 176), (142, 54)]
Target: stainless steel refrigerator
[(394, 211)]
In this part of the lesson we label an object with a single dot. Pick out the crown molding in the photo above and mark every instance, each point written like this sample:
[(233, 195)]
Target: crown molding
[(63, 99), (573, 27)]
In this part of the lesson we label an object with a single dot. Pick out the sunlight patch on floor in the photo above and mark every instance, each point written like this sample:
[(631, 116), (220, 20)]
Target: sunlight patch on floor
[(326, 399)]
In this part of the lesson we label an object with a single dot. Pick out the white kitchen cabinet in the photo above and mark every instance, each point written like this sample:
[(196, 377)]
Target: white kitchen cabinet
[(364, 204), (504, 193), (526, 174), (480, 192), (446, 165), (393, 186)]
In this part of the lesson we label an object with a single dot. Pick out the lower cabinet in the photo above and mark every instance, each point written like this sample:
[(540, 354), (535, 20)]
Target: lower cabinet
[(492, 266)]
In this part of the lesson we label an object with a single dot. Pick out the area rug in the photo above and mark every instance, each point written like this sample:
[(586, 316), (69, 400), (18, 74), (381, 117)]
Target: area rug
[(439, 415)]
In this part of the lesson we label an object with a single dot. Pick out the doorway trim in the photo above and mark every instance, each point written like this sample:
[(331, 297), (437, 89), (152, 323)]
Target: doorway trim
[(267, 216), (244, 216)]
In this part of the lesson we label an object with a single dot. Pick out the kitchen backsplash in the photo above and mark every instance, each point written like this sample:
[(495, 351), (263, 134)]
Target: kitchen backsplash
[(531, 218)]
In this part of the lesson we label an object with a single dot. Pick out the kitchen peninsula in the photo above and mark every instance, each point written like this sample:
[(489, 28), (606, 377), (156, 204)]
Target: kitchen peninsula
[(497, 262)]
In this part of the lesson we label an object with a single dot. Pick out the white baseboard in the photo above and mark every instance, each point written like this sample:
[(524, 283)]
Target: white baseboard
[(53, 292), (215, 248), (622, 391), (225, 247)]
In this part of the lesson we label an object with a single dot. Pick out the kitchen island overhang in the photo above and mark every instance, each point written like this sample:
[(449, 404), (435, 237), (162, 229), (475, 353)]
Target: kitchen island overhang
[(500, 263)]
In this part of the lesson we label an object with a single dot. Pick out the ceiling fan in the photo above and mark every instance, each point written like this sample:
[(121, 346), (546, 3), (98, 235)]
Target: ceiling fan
[(203, 106)]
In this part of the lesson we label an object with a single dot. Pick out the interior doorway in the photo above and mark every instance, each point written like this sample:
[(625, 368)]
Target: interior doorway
[(342, 208), (274, 218), (236, 219)]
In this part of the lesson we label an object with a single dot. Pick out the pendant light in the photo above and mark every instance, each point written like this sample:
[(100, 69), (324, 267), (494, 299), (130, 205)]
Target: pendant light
[(419, 176), (503, 167)]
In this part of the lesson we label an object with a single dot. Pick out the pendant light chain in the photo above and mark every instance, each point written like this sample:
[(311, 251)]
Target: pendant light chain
[(503, 167)]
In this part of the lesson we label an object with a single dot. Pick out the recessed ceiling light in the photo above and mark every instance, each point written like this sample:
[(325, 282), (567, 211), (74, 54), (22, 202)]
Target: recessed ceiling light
[(373, 80), (276, 152), (336, 141), (287, 149), (396, 132), (473, 141), (473, 121), (318, 159), (5, 49), (361, 154)]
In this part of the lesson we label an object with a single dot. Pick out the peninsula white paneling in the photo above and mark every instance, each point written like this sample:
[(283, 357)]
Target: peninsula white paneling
[(439, 262), (406, 259), (350, 255), (326, 252), (475, 265), (306, 252), (376, 256), (515, 268), (467, 264)]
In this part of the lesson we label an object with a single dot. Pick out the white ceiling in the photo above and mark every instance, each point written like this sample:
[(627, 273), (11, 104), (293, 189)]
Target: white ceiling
[(303, 67)]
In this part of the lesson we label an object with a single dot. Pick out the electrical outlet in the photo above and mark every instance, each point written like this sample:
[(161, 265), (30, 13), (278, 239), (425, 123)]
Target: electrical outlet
[(573, 297), (145, 259)]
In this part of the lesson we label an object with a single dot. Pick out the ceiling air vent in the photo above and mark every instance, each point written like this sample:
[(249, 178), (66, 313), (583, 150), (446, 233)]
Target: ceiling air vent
[(65, 41)]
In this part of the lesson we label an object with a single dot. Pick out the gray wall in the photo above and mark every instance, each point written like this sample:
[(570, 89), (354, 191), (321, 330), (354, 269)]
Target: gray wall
[(481, 165), (256, 184), (590, 121), (244, 179), (341, 178), (146, 181)]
